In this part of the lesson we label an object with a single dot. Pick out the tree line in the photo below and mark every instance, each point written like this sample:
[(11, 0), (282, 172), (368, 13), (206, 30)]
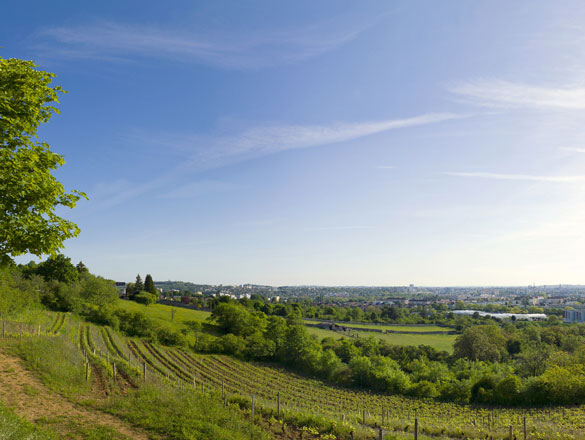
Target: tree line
[(496, 364), (142, 292)]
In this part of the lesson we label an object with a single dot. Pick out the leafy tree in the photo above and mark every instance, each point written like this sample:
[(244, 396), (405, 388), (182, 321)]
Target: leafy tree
[(130, 289), (149, 285), (482, 391), (276, 331), (361, 370), (481, 343), (329, 364), (532, 361), (258, 347), (424, 388), (81, 268), (98, 291), (29, 193), (58, 268), (138, 285), (347, 350), (236, 319), (507, 390), (193, 326)]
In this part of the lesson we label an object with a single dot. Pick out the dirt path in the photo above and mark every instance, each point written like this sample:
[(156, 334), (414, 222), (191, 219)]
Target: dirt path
[(22, 391)]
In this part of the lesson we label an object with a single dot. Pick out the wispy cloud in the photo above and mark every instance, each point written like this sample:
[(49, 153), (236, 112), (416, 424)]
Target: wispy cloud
[(253, 49), (526, 177), (207, 152), (507, 94), (386, 167)]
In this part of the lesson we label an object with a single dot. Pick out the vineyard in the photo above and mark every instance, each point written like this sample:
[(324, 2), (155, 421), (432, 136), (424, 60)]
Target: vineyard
[(278, 393), (277, 390)]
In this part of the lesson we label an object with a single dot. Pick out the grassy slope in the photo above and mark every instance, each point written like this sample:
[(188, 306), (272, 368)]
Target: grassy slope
[(163, 313), (58, 362), (440, 342)]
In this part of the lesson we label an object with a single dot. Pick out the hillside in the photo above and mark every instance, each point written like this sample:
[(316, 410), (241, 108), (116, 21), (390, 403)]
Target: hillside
[(210, 396)]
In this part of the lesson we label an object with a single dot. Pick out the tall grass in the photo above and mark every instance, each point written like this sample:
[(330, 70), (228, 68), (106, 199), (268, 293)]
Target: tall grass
[(13, 427), (183, 415), (57, 361)]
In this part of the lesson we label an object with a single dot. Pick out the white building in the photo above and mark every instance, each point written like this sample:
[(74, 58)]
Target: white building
[(575, 315)]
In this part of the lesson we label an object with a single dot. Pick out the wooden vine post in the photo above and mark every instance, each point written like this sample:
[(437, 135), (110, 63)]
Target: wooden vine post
[(416, 429), (86, 372), (3, 329), (524, 426), (278, 404), (511, 437), (253, 405), (144, 371)]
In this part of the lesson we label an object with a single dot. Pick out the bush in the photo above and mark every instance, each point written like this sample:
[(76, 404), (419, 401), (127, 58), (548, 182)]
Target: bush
[(423, 388), (145, 298), (455, 391)]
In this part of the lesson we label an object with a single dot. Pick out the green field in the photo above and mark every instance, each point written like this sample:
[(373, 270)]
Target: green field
[(440, 342), (422, 328), (164, 314)]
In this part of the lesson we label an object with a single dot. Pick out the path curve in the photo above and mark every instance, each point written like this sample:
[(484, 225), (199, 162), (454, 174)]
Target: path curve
[(32, 400)]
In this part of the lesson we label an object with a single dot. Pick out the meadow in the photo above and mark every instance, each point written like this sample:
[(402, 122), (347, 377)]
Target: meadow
[(166, 315), (442, 342)]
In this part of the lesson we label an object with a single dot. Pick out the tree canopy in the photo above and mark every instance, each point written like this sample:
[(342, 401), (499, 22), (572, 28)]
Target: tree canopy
[(149, 285), (29, 193)]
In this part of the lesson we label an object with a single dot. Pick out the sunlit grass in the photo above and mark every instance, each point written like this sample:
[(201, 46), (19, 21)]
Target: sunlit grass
[(439, 342), (56, 360), (13, 427), (183, 415), (164, 314)]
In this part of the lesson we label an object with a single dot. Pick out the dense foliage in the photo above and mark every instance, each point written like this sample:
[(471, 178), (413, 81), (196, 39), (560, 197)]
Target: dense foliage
[(56, 284), (29, 193), (511, 364), (435, 313)]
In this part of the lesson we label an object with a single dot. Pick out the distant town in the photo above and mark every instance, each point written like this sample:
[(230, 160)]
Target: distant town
[(525, 302)]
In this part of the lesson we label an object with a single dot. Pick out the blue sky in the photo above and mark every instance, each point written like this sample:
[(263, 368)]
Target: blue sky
[(331, 142)]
